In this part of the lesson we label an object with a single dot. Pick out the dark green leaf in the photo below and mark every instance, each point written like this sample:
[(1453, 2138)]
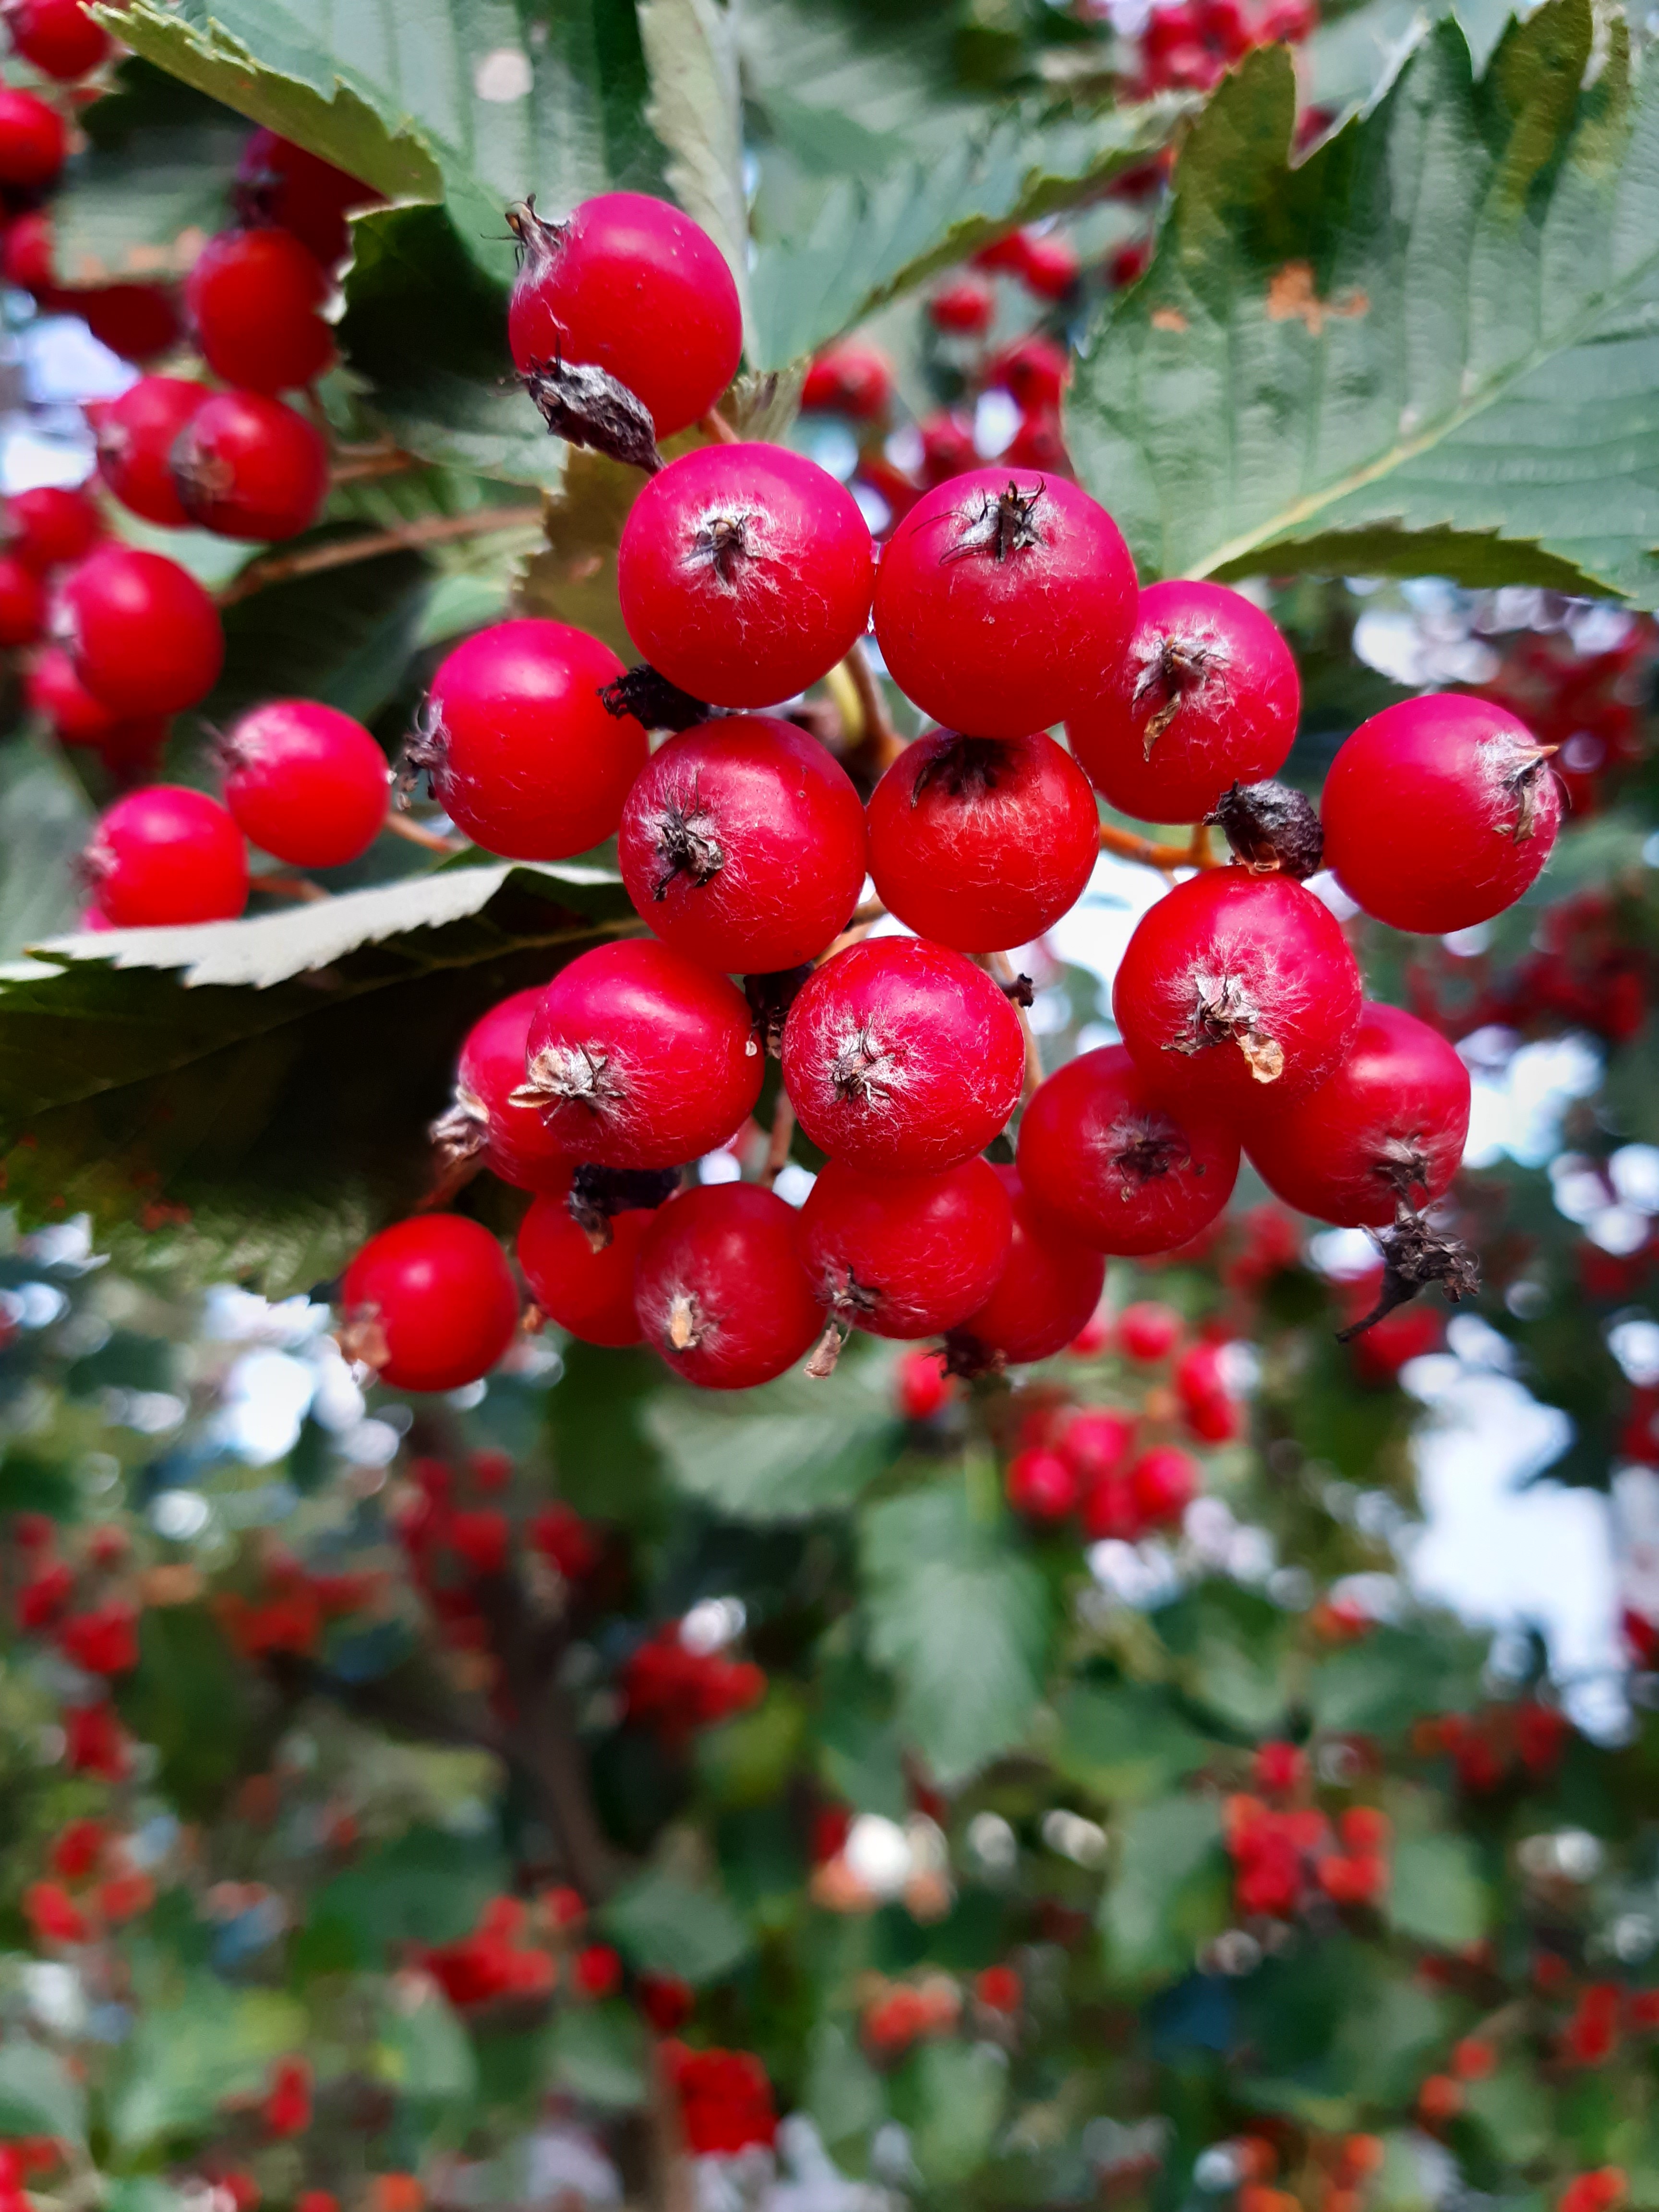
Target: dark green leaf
[(39, 2096), (1125, 1741), (1436, 1893), (45, 821), (791, 1449), (668, 1925), (598, 2052), (190, 1701), (1165, 1886)]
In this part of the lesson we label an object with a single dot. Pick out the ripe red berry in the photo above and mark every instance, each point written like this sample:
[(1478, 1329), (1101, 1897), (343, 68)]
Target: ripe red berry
[(55, 691), (1040, 1484), (947, 448), (22, 603), (640, 1059), (1208, 1408), (743, 844), (1046, 1291), (1390, 1123), (305, 783), (1120, 1166), (900, 1057), (1034, 371), (921, 1386), (590, 1293), (905, 1256), (167, 854), (1164, 1481), (1207, 695), (523, 757), (1098, 1443), (1049, 266), (516, 1143), (57, 37), (964, 308), (246, 466), (136, 435), (26, 257), (597, 1971), (143, 636), (1148, 1331), (720, 1292), (1005, 599), (33, 142), (1439, 813), (278, 182), (852, 377), (50, 527), (744, 574), (1037, 444), (139, 322), (253, 299), (1233, 981), (629, 285), (429, 1303)]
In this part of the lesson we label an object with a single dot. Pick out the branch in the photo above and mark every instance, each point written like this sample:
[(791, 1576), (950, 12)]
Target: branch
[(281, 884), (431, 840), (876, 731), (1194, 853), (714, 425), (1003, 968), (435, 529), (777, 1150)]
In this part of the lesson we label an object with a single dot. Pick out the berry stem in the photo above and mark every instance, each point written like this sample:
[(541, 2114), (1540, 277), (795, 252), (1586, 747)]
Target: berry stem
[(777, 1150), (364, 463), (281, 884), (859, 927), (1002, 968), (874, 729), (714, 425), (283, 568), (1194, 853), (417, 833)]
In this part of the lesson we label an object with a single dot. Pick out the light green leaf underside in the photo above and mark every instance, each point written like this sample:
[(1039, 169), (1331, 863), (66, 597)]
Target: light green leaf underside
[(696, 111), (784, 1453)]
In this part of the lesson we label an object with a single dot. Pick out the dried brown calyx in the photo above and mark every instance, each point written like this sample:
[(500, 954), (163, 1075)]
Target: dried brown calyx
[(1224, 1012), (361, 1338), (968, 767), (1403, 1165), (1141, 1155), (863, 1069), (684, 831), (198, 476), (1001, 525), (459, 1137), (425, 749), (849, 1301), (688, 1325), (723, 542), (598, 1195), (1414, 1255), (570, 1074), (1178, 666), (770, 997), (1273, 828), (651, 699), (588, 406), (965, 1356), (1020, 990), (1521, 779)]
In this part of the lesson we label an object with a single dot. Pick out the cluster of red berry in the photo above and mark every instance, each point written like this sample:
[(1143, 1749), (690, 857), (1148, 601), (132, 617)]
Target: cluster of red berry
[(896, 2015), (1287, 1853), (1519, 1742), (1340, 2169), (86, 1608), (674, 1690), (291, 1606), (96, 1887), (23, 2160), (725, 2100)]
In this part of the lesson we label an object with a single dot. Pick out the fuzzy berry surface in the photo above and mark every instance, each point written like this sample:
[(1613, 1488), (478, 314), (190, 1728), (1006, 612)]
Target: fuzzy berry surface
[(429, 1304), (1049, 1285), (720, 1290), (588, 1292), (744, 574), (516, 1143), (253, 299), (305, 783), (905, 1256), (245, 465), (136, 434), (145, 638), (902, 1057), (167, 854)]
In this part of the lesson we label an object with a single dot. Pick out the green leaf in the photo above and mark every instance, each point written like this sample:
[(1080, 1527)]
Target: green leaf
[(668, 1925), (1381, 1685), (39, 2096), (959, 2091), (964, 1622), (598, 2052), (844, 2092), (1126, 1741), (696, 109), (1436, 1893), (784, 1452), (423, 2053), (185, 2058), (1161, 1890), (423, 1886), (45, 821), (153, 183), (1427, 347), (189, 1698)]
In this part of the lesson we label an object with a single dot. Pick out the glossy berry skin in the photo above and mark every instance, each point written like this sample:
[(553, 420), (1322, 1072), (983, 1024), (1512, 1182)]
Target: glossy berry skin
[(1046, 1293), (1040, 1484), (136, 435), (517, 1144), (167, 854), (1207, 695), (900, 1057), (50, 527), (22, 603), (905, 1256), (305, 783), (629, 285), (246, 466), (982, 842), (253, 300), (139, 322), (1148, 1331), (638, 1058), (34, 143), (429, 1303), (1439, 813), (743, 845), (744, 574), (57, 37), (1164, 1482), (524, 758), (590, 1293), (851, 378), (1121, 1167), (280, 183), (720, 1292), (1003, 600), (54, 690), (1390, 1123), (1235, 980), (143, 636)]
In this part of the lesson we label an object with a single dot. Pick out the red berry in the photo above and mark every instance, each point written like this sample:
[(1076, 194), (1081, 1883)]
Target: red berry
[(1040, 1484), (22, 603), (853, 378), (429, 1303), (1129, 264), (982, 842), (1277, 1768), (905, 1256), (33, 142), (49, 526), (57, 37), (597, 1971), (1148, 1331), (1109, 1510), (305, 783), (136, 435), (253, 299), (139, 322), (629, 285), (964, 308), (523, 755), (640, 1059), (52, 1914), (1439, 813), (590, 1293), (167, 854), (743, 845), (516, 1143), (1006, 254), (1039, 443), (922, 1387), (720, 1292), (900, 1057), (1207, 1406), (246, 466), (1034, 371), (744, 574), (1049, 265), (1164, 1481), (1046, 1293), (666, 2002), (77, 1848), (143, 636), (1111, 1160), (947, 448), (55, 691), (1096, 1443), (1004, 601), (1207, 695), (1234, 981), (25, 258), (1390, 1123), (280, 183)]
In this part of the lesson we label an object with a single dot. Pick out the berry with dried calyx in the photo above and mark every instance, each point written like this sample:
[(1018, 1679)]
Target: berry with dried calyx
[(143, 636), (483, 1122), (743, 845), (135, 437), (429, 1304), (1233, 981), (22, 603), (57, 37), (587, 1290), (1004, 602), (1115, 1162), (1271, 828), (33, 141), (744, 574), (720, 1292), (900, 1057), (1415, 1253), (167, 854), (49, 526), (638, 1058), (245, 465), (278, 182), (1046, 1293), (305, 783), (521, 752), (253, 299), (1206, 695), (1389, 1124), (982, 842), (1439, 813)]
